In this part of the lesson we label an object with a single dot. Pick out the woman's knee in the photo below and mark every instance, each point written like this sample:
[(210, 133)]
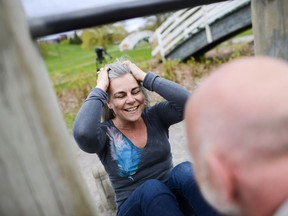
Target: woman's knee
[(153, 184), (183, 169), (181, 174), (153, 188)]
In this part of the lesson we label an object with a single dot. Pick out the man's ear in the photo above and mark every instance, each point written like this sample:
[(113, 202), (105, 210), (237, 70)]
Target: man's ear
[(221, 177)]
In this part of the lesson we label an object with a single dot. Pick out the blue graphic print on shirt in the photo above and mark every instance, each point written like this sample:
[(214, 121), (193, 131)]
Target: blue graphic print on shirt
[(127, 155)]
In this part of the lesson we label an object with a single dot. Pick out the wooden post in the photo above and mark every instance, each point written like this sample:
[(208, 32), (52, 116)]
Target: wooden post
[(104, 188), (270, 27), (38, 175)]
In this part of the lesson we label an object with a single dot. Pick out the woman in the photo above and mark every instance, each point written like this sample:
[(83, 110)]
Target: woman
[(132, 142)]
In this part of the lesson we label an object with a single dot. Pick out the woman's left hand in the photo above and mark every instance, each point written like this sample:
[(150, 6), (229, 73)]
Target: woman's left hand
[(135, 70)]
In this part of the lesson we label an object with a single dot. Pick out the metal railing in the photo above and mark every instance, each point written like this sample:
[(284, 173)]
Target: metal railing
[(103, 14), (184, 23)]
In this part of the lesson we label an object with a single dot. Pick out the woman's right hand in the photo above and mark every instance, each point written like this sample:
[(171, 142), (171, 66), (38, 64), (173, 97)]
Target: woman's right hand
[(103, 79)]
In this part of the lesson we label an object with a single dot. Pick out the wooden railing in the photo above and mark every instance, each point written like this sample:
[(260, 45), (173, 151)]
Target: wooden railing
[(183, 23)]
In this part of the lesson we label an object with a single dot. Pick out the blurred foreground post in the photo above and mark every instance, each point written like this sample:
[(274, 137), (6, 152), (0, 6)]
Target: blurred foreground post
[(37, 173), (270, 27)]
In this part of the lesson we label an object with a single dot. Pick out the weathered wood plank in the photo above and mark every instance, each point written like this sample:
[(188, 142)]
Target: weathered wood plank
[(38, 175), (222, 29), (270, 27)]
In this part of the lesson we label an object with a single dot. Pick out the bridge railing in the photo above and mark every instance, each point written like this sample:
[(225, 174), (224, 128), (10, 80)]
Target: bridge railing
[(183, 23)]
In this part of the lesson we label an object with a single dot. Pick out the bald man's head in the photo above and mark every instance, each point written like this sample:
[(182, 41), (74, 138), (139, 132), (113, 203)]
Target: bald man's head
[(238, 114), (238, 95)]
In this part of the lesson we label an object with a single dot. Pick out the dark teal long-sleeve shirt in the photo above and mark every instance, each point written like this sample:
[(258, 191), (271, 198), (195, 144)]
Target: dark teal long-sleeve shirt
[(127, 165)]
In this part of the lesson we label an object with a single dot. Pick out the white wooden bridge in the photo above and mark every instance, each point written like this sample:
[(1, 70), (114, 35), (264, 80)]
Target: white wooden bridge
[(133, 39), (190, 32)]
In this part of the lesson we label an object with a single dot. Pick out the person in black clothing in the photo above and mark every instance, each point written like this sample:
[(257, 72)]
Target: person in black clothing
[(100, 51)]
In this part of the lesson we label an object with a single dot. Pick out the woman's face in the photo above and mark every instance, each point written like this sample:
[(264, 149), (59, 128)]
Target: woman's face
[(126, 98)]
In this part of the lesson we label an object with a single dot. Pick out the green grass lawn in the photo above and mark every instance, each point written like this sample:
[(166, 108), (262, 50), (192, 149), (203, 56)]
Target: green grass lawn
[(68, 63), (245, 33)]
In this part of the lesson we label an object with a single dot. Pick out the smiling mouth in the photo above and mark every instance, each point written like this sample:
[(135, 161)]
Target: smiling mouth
[(131, 109)]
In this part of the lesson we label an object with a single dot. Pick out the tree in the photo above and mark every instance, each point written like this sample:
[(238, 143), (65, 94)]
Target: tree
[(102, 36), (153, 22), (75, 39)]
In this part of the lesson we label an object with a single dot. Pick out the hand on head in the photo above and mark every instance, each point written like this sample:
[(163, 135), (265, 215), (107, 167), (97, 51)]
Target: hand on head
[(135, 70), (103, 74)]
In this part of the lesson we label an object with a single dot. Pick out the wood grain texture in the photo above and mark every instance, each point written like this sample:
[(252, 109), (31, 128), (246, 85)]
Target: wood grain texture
[(38, 173), (270, 27)]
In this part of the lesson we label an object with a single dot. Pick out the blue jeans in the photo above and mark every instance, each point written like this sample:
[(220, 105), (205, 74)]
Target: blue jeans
[(179, 196)]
